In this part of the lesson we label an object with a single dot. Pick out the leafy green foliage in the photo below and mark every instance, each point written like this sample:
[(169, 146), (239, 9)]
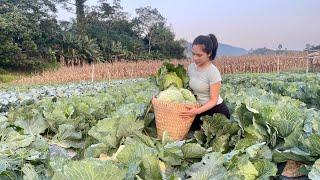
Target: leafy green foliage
[(315, 171), (90, 169), (32, 38), (172, 82), (168, 75), (211, 167), (217, 132), (101, 132)]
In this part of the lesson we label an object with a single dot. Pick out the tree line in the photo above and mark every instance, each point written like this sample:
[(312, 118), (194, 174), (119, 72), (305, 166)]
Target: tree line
[(33, 39)]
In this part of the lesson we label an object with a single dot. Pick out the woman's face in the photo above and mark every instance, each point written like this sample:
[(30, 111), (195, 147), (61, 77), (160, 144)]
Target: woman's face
[(199, 56)]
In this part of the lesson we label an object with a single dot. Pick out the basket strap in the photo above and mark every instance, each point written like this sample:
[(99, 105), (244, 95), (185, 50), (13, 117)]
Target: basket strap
[(148, 109)]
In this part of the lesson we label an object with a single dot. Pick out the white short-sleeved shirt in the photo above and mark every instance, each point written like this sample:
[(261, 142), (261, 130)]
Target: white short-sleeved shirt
[(200, 81)]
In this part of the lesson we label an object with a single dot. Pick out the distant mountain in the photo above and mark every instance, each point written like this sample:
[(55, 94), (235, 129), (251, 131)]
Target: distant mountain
[(266, 51), (223, 50), (228, 50)]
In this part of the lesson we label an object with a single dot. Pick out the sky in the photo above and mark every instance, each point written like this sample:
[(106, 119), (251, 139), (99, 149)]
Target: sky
[(242, 23)]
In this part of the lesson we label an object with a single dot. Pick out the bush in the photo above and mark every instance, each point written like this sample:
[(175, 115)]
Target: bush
[(5, 78)]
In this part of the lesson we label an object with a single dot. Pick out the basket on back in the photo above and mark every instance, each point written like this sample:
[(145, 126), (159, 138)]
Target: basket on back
[(168, 119)]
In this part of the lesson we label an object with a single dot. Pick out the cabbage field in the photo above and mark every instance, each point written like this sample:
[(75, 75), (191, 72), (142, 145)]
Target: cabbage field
[(106, 130)]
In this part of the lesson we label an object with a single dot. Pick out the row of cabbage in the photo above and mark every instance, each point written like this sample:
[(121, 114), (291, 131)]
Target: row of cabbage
[(108, 134), (15, 96), (286, 125), (304, 87), (37, 137)]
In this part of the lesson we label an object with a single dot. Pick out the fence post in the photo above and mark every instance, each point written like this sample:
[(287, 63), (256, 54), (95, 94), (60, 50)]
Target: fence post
[(278, 67), (307, 60), (312, 61), (92, 72)]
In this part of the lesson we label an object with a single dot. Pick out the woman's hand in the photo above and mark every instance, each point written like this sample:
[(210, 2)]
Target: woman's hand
[(192, 111)]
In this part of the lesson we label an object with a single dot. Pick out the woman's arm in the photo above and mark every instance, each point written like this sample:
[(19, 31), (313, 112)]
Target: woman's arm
[(214, 95)]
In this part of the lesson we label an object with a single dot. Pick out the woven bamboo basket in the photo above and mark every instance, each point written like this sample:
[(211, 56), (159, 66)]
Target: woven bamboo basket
[(168, 119)]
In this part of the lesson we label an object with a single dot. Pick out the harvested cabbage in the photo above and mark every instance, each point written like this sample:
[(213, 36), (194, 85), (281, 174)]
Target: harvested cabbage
[(169, 74), (172, 79), (188, 96), (173, 94)]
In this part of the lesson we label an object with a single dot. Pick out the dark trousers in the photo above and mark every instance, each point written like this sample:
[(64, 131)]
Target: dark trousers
[(220, 108)]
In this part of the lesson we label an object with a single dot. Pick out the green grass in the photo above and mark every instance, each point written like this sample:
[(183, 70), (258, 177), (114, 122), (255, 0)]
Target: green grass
[(6, 77)]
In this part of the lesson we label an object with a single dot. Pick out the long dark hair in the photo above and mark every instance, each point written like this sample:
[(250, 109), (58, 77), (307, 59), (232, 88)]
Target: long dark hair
[(210, 44)]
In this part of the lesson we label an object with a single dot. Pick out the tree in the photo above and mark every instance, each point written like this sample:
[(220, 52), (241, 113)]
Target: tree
[(147, 19), (80, 16), (315, 47), (160, 34), (312, 47), (31, 38), (113, 31), (80, 13), (26, 28), (163, 41), (279, 51), (308, 46)]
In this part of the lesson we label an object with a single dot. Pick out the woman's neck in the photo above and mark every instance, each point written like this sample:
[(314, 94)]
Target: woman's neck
[(204, 65)]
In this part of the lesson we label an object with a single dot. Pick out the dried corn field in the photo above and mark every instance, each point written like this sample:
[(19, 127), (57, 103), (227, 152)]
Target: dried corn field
[(130, 69)]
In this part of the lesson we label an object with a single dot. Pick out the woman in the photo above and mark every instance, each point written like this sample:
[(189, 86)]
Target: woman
[(205, 81)]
